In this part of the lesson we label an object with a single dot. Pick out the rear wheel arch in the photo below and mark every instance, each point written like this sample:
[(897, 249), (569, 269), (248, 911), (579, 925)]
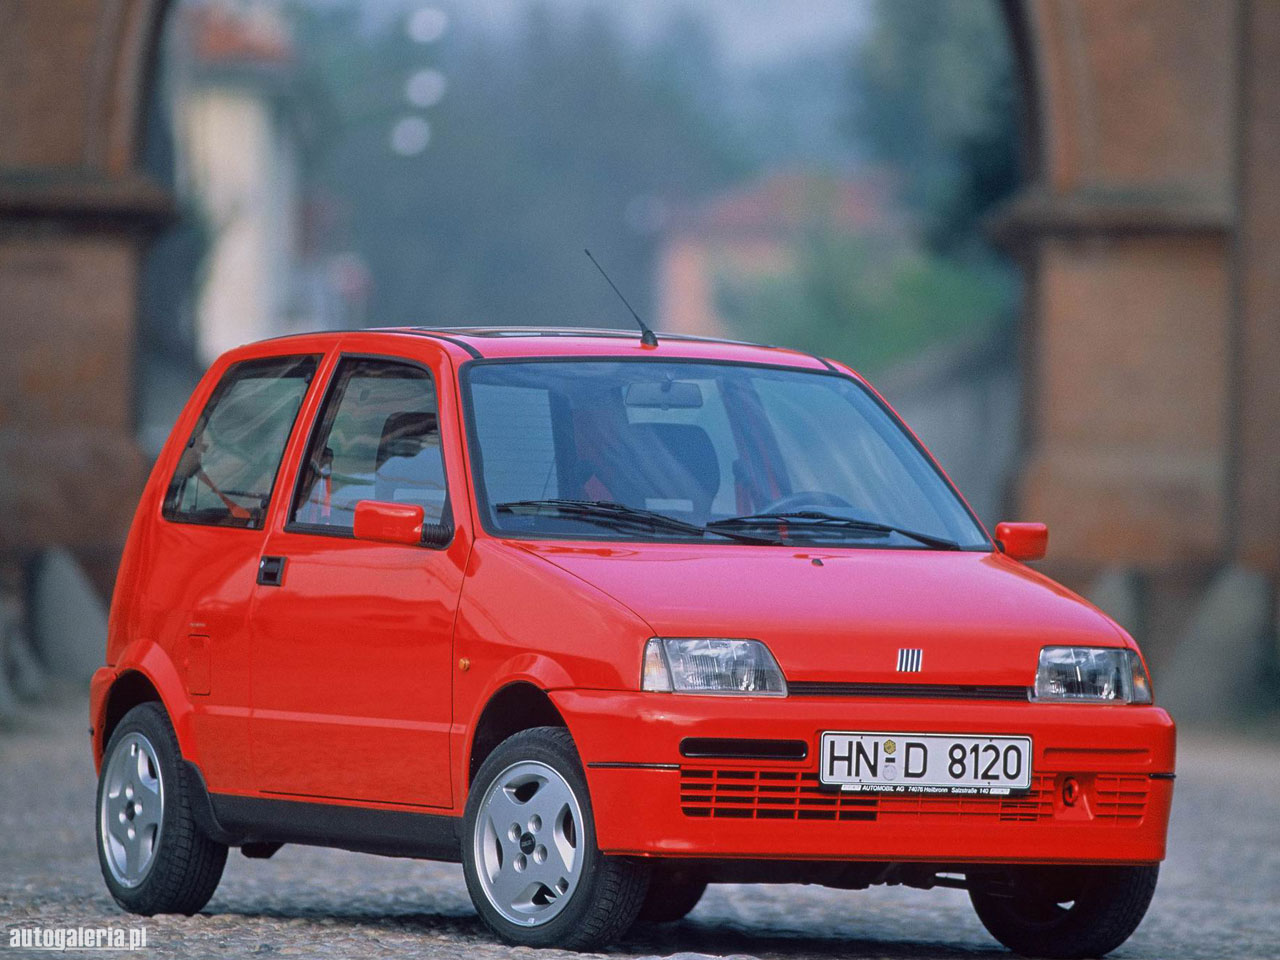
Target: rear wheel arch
[(164, 684), (150, 677), (130, 689), (515, 707)]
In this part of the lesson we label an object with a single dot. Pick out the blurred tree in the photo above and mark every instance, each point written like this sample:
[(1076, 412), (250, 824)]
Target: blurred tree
[(557, 136), (935, 98), (934, 103), (686, 65)]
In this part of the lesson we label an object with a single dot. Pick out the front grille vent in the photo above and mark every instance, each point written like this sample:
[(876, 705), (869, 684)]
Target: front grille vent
[(737, 748), (1121, 800), (796, 795)]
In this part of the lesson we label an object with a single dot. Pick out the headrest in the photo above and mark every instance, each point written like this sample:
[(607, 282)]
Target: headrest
[(405, 434), (677, 460)]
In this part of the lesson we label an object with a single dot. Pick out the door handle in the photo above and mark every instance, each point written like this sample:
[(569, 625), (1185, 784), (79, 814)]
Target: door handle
[(271, 571)]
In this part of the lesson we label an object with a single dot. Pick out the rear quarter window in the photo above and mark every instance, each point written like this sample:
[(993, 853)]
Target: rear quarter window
[(227, 471)]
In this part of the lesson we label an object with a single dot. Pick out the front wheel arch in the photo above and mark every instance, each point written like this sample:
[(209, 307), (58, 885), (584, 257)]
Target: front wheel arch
[(517, 706)]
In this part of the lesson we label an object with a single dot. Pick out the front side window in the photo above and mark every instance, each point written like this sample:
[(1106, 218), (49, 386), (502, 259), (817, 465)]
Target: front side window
[(701, 450), (378, 439), (228, 467)]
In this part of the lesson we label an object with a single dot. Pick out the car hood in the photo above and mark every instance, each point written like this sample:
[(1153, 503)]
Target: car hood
[(843, 615)]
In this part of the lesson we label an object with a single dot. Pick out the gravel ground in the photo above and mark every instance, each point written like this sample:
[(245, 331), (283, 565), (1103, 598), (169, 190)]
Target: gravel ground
[(1219, 893)]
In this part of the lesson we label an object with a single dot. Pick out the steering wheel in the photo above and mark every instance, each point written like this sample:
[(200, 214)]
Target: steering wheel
[(804, 499)]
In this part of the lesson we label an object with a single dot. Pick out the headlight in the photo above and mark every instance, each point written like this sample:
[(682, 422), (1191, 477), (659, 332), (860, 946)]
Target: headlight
[(1093, 675), (708, 665)]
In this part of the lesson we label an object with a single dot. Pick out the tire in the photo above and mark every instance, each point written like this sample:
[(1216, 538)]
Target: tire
[(1027, 914), (168, 865), (529, 854), (673, 892)]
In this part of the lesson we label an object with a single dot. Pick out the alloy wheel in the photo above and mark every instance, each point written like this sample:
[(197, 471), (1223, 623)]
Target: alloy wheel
[(528, 843), (132, 809)]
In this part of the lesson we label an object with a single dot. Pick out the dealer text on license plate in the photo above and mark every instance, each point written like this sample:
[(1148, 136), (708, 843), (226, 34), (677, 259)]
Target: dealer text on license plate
[(925, 763)]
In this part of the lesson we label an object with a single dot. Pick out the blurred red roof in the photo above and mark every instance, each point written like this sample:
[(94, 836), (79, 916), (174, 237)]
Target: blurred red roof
[(786, 202), (221, 34)]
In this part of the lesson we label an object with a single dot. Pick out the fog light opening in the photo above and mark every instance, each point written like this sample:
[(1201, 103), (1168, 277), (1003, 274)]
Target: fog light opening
[(1070, 791)]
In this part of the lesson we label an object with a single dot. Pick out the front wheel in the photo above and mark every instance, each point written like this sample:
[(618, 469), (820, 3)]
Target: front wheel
[(529, 854), (1065, 912)]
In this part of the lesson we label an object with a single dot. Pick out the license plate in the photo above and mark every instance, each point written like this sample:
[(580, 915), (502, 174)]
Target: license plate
[(925, 763)]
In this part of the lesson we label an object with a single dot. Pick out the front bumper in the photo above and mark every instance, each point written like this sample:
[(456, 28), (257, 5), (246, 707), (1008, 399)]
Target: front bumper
[(648, 800)]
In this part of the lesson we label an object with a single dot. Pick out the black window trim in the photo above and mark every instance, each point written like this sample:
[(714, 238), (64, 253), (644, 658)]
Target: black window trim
[(476, 458), (323, 420), (433, 335), (216, 394)]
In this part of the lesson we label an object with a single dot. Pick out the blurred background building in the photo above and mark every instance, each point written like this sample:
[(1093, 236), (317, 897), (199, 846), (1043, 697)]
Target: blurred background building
[(235, 118), (1047, 228), (228, 130), (759, 233)]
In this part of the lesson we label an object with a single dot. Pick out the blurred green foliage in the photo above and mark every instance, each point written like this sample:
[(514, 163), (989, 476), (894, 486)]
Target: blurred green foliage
[(934, 102), (935, 99), (847, 300)]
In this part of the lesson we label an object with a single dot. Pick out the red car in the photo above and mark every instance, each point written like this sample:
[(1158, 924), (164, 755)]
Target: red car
[(608, 620)]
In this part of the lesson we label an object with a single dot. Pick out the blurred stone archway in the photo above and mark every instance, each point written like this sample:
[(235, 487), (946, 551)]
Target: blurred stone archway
[(75, 218), (1149, 232)]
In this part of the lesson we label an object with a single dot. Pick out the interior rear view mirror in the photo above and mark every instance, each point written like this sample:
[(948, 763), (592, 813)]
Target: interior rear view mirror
[(664, 395)]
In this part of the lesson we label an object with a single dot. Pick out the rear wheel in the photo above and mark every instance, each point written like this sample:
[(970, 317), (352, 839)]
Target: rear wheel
[(673, 892), (529, 852), (1065, 912), (153, 855)]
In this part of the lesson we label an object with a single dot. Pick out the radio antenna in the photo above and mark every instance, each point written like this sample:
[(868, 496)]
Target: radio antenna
[(647, 336)]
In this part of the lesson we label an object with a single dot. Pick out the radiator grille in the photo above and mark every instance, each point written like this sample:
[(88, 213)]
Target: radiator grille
[(915, 691), (797, 795)]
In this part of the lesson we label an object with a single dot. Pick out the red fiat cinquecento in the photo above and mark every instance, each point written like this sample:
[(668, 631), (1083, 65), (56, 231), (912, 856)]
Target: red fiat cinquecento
[(608, 620)]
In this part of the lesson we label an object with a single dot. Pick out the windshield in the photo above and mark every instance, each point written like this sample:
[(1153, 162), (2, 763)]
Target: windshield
[(590, 449)]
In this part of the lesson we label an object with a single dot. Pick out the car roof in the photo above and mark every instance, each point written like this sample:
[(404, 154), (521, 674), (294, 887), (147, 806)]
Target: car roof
[(534, 342)]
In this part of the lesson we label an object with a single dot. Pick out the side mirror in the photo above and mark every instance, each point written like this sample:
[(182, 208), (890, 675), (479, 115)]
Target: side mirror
[(388, 522), (1023, 541)]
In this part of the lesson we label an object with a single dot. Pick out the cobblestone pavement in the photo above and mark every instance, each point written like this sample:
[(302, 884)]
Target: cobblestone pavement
[(1219, 894)]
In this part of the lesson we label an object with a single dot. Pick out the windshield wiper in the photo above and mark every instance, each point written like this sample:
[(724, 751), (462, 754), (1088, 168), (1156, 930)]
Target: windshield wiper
[(818, 518), (618, 515)]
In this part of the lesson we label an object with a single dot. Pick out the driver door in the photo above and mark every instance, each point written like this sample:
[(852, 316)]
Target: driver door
[(352, 640)]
